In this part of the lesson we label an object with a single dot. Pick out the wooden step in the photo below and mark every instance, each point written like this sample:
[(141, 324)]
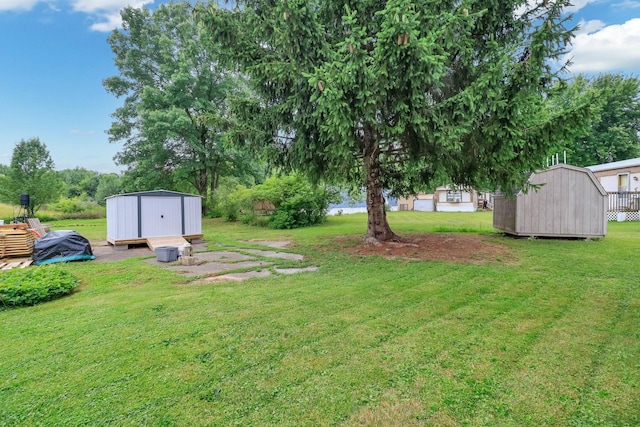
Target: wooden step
[(156, 242)]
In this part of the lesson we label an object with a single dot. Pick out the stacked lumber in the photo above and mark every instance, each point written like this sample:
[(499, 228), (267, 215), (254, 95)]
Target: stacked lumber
[(15, 240)]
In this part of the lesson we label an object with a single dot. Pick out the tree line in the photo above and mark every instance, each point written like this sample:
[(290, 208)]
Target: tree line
[(32, 171), (397, 96)]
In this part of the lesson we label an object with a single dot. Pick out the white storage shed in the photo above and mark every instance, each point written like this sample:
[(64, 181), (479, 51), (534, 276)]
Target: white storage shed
[(134, 217)]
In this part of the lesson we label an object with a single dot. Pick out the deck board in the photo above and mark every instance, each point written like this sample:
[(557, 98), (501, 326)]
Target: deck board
[(156, 242)]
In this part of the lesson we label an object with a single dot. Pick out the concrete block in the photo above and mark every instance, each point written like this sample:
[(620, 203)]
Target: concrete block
[(188, 260)]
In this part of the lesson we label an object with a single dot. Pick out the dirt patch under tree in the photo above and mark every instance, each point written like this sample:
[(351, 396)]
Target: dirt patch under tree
[(470, 248)]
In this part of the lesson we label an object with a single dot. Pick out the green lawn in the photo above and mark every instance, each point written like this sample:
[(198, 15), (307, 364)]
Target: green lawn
[(549, 337)]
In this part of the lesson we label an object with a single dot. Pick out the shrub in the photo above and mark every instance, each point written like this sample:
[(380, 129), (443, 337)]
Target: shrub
[(77, 208), (33, 285), (297, 203), (236, 204)]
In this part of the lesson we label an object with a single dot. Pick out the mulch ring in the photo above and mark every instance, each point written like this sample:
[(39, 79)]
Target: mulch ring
[(462, 248)]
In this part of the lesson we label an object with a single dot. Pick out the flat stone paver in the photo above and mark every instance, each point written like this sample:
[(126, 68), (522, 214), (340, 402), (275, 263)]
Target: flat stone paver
[(278, 244), (234, 277), (213, 265), (295, 270), (274, 254), (222, 256), (208, 267)]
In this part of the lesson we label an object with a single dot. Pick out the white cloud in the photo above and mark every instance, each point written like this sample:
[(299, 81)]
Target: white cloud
[(18, 4), (98, 6), (628, 4), (576, 5), (106, 12), (602, 49), (588, 27)]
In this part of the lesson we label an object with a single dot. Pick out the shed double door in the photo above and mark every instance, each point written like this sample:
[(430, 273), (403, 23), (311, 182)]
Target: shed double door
[(161, 216)]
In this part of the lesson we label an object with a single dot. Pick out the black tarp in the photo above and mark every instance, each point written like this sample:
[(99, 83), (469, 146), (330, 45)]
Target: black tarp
[(61, 246)]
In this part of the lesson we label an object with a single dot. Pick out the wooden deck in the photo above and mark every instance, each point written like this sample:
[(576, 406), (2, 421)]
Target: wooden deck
[(155, 242)]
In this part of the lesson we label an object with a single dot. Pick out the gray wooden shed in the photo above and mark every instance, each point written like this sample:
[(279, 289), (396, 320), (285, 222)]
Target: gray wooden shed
[(570, 202), (134, 217)]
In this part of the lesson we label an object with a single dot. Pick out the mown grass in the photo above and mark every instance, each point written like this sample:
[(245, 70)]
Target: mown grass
[(550, 338)]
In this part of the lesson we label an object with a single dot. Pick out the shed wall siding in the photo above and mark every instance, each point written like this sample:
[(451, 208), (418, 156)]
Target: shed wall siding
[(569, 203), (122, 218), (160, 215), (554, 208), (192, 215), (504, 214)]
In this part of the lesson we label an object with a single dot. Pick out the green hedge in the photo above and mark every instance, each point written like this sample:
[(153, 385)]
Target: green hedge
[(32, 285)]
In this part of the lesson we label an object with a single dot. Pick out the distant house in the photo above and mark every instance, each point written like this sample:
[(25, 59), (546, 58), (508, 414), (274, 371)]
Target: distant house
[(456, 199), (622, 181), (620, 176), (568, 202), (420, 202), (447, 198)]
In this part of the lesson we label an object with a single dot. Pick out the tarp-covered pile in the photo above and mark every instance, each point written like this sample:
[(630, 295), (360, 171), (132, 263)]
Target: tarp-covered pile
[(61, 246)]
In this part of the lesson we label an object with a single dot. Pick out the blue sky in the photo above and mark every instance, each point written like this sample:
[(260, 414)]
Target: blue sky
[(54, 56)]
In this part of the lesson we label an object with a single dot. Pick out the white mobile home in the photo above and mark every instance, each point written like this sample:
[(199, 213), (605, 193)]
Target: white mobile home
[(134, 217)]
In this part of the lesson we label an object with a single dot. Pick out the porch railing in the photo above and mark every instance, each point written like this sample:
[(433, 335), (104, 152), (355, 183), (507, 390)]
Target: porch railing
[(627, 201)]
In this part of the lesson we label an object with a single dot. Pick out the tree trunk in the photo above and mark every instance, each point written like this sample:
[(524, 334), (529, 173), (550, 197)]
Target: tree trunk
[(378, 229)]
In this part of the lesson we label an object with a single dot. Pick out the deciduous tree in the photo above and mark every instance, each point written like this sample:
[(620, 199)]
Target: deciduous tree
[(390, 94), (174, 113), (31, 171), (614, 131)]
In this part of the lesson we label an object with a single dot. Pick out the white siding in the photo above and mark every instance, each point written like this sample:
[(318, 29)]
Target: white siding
[(423, 205), (610, 183), (455, 207), (122, 218), (192, 215)]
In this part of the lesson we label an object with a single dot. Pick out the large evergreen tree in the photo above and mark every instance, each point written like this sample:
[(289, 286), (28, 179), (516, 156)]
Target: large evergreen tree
[(390, 94), (174, 113)]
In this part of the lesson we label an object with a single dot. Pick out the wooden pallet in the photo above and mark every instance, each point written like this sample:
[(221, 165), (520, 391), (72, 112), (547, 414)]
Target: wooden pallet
[(8, 265), (16, 242)]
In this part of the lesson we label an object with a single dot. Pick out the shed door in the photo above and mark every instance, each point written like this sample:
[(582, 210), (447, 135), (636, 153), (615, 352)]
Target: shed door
[(161, 216)]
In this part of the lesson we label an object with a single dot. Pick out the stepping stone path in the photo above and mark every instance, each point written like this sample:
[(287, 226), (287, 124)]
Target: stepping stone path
[(212, 264)]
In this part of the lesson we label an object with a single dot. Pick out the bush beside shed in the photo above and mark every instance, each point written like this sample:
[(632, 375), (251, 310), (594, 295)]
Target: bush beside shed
[(570, 203)]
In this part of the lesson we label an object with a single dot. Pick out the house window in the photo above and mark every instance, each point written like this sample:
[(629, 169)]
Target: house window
[(623, 182), (404, 207), (454, 196)]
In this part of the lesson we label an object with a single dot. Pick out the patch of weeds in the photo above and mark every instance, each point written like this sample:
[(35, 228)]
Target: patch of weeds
[(19, 287)]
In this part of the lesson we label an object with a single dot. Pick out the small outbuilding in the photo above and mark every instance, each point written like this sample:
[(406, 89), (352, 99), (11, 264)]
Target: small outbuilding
[(132, 218), (569, 203)]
